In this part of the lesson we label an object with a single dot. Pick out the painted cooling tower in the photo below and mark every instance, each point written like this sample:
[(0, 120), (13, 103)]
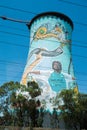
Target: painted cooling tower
[(49, 60)]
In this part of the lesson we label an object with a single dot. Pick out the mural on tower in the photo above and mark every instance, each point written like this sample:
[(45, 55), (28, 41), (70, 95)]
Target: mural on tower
[(49, 60)]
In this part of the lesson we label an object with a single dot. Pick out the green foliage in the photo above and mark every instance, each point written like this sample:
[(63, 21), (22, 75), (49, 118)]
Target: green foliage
[(72, 106), (33, 89), (2, 91), (16, 108)]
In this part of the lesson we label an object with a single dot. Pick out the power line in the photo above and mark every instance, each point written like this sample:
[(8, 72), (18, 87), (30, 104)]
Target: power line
[(20, 72), (10, 75), (80, 89), (32, 37), (15, 9), (71, 43), (12, 72), (21, 65), (79, 42), (3, 17), (39, 66), (69, 2), (46, 39), (82, 85), (84, 24), (79, 30), (27, 22), (10, 27), (80, 80), (13, 28), (27, 46), (13, 44), (14, 20), (14, 34), (78, 55), (50, 40), (11, 62), (79, 45), (79, 84), (82, 73)]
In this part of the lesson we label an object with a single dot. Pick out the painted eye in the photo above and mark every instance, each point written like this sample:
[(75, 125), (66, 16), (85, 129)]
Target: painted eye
[(41, 31)]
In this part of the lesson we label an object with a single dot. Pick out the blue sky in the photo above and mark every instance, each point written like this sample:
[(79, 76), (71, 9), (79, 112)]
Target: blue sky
[(14, 37)]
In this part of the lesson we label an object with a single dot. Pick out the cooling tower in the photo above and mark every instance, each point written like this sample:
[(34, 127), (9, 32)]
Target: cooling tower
[(49, 61)]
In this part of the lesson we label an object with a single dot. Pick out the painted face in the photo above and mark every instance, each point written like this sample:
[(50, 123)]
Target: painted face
[(57, 66)]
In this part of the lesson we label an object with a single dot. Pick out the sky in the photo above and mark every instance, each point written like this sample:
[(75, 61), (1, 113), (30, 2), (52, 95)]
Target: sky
[(15, 37)]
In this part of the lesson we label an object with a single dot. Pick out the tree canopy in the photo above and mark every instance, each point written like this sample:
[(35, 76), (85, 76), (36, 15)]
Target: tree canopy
[(73, 108), (18, 106)]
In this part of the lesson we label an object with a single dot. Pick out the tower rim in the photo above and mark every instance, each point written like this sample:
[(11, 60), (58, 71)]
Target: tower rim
[(57, 14)]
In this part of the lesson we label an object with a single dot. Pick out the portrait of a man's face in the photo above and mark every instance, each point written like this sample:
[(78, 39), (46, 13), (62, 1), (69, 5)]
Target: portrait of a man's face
[(56, 66)]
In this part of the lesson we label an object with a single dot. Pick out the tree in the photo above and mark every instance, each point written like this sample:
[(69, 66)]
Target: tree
[(82, 100), (33, 89), (54, 119), (18, 104), (8, 99), (72, 107)]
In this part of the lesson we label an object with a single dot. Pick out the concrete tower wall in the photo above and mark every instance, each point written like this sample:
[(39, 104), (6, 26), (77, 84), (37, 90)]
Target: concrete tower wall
[(49, 61)]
